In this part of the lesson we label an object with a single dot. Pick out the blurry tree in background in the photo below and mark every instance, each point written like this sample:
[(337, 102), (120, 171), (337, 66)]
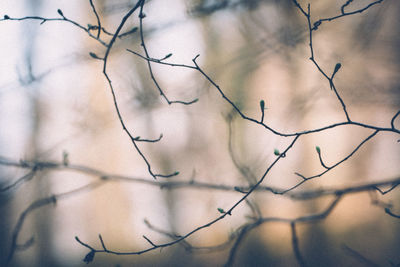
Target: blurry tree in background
[(199, 133)]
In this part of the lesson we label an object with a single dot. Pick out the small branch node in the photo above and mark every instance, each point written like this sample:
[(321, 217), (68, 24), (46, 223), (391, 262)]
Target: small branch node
[(148, 240)]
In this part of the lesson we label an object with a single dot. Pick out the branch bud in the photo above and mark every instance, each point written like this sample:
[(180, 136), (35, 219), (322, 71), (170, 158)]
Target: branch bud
[(316, 24), (337, 67), (60, 12), (93, 55), (262, 104)]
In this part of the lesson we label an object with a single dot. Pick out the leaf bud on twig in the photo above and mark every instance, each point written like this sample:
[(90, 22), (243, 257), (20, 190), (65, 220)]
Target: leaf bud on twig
[(60, 12)]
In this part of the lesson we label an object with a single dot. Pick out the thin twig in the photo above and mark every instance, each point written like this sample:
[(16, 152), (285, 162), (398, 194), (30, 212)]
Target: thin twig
[(143, 44), (97, 17), (295, 245)]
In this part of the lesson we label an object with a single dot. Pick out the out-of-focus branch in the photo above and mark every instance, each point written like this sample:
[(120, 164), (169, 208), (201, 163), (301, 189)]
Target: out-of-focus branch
[(239, 240), (23, 179), (359, 257), (297, 195), (295, 245)]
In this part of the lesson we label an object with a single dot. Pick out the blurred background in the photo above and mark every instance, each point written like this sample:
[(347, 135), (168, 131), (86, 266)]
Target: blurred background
[(55, 103)]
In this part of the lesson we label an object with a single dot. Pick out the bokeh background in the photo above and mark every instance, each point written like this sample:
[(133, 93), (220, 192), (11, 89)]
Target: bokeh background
[(54, 100)]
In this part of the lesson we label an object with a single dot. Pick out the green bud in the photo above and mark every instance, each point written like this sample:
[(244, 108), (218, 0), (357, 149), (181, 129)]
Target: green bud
[(221, 210), (167, 56), (318, 149), (6, 17), (176, 173), (276, 152)]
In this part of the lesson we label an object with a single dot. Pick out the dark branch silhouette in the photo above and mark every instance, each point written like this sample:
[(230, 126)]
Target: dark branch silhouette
[(254, 184)]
